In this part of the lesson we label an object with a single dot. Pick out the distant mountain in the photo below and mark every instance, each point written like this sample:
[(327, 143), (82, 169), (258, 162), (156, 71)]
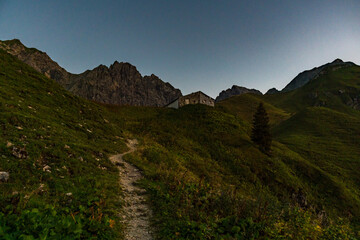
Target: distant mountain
[(272, 91), (302, 78), (121, 83), (235, 90)]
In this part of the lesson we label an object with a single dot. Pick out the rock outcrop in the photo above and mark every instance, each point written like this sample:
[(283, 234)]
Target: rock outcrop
[(235, 90), (4, 176), (121, 83), (303, 78)]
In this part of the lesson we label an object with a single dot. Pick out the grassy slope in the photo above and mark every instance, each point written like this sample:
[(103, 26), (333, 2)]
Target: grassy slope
[(244, 106), (327, 137), (207, 178), (334, 88), (77, 196)]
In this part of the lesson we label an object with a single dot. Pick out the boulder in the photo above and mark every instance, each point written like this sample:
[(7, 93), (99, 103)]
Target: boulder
[(4, 176)]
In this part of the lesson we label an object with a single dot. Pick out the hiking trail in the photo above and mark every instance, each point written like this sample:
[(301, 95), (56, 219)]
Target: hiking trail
[(135, 213)]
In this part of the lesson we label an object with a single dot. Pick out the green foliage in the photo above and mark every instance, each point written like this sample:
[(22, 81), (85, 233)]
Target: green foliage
[(55, 147), (48, 223), (295, 223)]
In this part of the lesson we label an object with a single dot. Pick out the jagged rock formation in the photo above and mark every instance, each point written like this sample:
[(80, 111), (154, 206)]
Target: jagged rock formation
[(235, 90), (302, 78), (121, 83), (272, 91)]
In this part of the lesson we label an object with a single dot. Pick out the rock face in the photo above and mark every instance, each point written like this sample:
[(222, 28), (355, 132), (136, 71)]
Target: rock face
[(121, 83), (302, 78), (235, 90)]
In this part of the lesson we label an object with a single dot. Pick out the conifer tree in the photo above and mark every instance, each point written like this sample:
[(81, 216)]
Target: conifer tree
[(261, 129)]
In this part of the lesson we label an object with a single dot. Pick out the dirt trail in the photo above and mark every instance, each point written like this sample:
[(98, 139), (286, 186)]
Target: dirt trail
[(136, 212)]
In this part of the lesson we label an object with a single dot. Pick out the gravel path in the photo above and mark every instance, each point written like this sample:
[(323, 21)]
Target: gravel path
[(136, 212)]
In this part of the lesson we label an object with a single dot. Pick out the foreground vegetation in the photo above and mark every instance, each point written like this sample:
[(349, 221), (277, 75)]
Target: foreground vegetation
[(206, 179), (54, 147)]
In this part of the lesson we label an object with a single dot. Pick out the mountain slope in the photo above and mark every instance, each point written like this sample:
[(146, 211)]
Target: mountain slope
[(244, 106), (336, 88), (38, 60), (306, 76), (320, 123), (54, 146), (121, 83)]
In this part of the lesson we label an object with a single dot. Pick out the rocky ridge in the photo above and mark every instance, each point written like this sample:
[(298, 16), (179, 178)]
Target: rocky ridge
[(235, 90), (121, 83)]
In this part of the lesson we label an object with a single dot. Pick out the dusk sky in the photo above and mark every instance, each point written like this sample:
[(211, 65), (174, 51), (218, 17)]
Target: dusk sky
[(195, 45)]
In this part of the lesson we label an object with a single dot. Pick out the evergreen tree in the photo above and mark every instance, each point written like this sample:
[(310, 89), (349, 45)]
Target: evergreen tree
[(261, 130)]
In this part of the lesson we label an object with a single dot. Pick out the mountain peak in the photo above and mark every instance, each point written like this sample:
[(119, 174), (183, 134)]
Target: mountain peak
[(235, 90), (303, 78), (121, 65), (337, 61), (15, 46), (272, 91), (152, 76), (13, 41)]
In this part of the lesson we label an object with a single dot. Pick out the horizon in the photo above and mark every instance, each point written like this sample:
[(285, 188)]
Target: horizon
[(193, 46)]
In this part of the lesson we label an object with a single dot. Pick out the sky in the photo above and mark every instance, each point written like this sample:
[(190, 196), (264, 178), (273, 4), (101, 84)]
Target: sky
[(206, 45)]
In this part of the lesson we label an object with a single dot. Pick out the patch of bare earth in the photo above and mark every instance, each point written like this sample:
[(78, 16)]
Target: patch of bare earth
[(136, 212)]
